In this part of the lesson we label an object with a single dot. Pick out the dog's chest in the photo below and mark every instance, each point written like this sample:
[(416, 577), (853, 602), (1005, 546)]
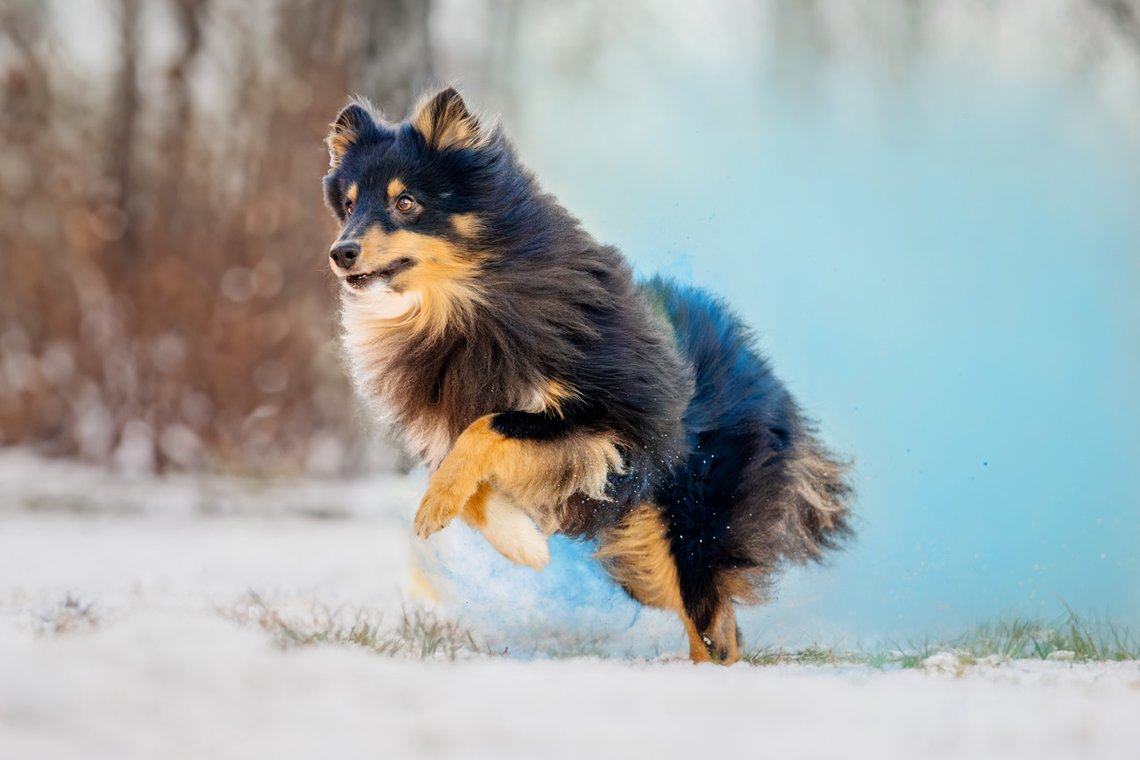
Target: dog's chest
[(429, 394)]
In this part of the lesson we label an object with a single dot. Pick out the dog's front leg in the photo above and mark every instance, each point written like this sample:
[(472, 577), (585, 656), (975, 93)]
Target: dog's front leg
[(466, 467), (538, 460)]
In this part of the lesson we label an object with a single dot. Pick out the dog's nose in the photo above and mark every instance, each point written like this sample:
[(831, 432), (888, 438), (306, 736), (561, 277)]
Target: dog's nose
[(345, 253)]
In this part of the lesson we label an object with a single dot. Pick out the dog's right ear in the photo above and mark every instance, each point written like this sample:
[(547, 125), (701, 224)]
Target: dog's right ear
[(350, 126), (444, 122)]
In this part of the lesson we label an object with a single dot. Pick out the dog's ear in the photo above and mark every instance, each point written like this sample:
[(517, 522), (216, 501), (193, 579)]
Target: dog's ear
[(350, 126), (444, 122)]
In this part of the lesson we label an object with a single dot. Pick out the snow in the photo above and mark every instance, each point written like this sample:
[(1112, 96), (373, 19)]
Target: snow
[(118, 640), (181, 684)]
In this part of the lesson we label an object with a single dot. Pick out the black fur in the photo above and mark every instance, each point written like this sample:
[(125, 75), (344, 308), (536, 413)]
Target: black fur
[(737, 504)]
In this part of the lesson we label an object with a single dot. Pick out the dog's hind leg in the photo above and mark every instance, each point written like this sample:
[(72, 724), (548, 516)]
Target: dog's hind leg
[(509, 529), (638, 556), (728, 634), (708, 603)]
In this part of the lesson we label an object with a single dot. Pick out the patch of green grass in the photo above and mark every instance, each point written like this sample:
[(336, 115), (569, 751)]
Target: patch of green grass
[(1087, 638), (421, 634), (417, 634), (812, 655)]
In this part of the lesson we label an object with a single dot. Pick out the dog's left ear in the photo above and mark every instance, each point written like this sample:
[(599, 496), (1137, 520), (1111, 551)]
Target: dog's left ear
[(444, 122), (351, 125)]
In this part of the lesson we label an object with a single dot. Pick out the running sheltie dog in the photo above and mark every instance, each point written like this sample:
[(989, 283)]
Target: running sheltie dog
[(547, 391)]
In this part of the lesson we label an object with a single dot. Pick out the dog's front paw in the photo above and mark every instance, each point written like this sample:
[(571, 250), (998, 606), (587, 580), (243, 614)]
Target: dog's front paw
[(437, 509)]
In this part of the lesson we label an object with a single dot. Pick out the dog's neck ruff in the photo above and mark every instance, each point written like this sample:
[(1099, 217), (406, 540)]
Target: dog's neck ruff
[(379, 303), (378, 324)]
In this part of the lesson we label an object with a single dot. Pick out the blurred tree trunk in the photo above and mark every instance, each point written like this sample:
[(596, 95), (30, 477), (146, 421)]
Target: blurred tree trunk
[(394, 66), (1125, 17), (188, 15), (395, 59), (124, 120)]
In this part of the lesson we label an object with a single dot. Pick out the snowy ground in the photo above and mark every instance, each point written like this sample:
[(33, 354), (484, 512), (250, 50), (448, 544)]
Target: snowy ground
[(118, 638)]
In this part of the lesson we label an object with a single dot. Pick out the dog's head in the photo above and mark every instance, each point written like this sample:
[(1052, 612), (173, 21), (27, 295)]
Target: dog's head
[(413, 200)]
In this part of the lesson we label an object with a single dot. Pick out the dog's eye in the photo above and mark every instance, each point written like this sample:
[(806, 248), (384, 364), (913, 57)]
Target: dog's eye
[(348, 207), (405, 203)]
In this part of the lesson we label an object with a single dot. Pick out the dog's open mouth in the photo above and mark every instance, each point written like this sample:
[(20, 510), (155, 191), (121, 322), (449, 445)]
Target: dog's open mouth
[(387, 273)]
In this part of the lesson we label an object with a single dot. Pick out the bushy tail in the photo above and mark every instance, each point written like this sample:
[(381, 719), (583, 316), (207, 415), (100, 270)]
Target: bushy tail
[(792, 505), (816, 515)]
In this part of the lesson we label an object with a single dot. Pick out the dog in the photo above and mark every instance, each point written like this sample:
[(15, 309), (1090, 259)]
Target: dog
[(547, 391)]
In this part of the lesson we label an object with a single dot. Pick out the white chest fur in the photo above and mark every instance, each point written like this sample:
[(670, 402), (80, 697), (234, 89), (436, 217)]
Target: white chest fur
[(375, 323)]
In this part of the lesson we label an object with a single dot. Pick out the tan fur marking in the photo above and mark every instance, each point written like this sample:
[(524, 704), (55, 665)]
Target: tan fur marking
[(353, 191), (444, 276), (467, 225), (475, 511), (698, 650), (548, 397), (540, 474), (395, 187), (343, 132), (737, 588), (724, 635), (340, 138), (338, 143), (636, 554), (732, 588)]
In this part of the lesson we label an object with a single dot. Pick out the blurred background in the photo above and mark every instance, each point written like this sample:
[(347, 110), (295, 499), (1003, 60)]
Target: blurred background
[(928, 211)]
